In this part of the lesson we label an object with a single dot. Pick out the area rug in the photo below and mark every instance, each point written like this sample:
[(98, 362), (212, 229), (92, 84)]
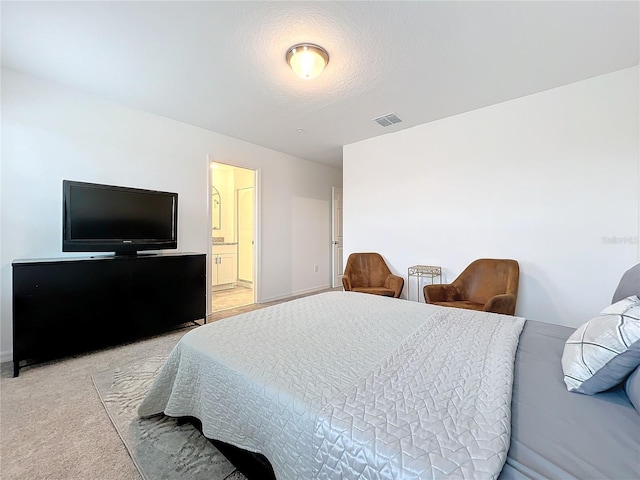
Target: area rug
[(161, 447)]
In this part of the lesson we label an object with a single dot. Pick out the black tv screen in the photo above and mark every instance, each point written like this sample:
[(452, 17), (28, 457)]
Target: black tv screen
[(124, 220)]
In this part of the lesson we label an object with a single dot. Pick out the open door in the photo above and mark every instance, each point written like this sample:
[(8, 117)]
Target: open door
[(336, 237), (245, 235)]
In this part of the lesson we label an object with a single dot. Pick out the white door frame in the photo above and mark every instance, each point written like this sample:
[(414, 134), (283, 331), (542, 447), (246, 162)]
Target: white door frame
[(256, 231), (337, 257)]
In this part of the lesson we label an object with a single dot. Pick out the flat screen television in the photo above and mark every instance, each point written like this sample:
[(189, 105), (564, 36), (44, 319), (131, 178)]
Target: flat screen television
[(124, 220)]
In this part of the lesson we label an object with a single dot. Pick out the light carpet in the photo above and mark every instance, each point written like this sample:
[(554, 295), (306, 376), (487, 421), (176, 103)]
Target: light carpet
[(161, 447)]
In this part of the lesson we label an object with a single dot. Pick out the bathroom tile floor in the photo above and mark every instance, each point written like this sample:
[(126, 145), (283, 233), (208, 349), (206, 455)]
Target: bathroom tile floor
[(233, 297)]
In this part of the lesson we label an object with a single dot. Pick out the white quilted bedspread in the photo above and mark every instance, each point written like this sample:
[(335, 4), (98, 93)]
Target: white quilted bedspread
[(345, 385)]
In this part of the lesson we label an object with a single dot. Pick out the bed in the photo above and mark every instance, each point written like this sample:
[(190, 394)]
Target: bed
[(348, 385), (564, 435)]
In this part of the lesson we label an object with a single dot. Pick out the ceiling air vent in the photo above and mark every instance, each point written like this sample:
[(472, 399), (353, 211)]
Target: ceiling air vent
[(387, 120)]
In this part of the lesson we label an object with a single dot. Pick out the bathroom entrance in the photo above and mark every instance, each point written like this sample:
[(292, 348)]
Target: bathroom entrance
[(232, 237)]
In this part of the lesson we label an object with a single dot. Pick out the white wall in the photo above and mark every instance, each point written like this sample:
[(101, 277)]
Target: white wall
[(50, 133), (548, 179)]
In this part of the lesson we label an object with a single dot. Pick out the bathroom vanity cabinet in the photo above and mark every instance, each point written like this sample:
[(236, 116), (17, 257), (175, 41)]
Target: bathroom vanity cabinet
[(224, 265)]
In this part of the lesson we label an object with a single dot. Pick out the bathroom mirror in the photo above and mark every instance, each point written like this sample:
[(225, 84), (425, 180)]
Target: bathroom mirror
[(215, 208)]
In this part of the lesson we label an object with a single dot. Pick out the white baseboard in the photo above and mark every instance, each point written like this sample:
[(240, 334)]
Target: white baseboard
[(222, 287), (295, 294)]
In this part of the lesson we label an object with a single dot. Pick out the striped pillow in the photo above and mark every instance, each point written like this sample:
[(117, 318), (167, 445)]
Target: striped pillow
[(604, 351)]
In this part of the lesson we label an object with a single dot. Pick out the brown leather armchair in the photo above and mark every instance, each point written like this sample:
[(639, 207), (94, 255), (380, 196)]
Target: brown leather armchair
[(368, 273), (486, 284)]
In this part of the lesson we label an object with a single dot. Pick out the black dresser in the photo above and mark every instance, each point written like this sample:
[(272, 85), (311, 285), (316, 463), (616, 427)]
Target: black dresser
[(72, 305)]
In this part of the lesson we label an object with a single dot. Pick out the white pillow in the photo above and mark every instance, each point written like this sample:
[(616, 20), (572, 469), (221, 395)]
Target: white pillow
[(602, 352)]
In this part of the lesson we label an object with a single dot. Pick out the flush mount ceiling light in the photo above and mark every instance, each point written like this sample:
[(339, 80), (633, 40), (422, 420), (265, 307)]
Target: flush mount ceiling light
[(307, 60)]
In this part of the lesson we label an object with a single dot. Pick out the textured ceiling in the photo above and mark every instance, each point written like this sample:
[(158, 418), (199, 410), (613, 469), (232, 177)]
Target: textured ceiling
[(220, 65)]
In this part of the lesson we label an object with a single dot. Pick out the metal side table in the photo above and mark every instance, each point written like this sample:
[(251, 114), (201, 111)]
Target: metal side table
[(421, 272)]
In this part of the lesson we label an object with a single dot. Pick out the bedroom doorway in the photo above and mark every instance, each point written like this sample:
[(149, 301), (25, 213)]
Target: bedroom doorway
[(233, 259)]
